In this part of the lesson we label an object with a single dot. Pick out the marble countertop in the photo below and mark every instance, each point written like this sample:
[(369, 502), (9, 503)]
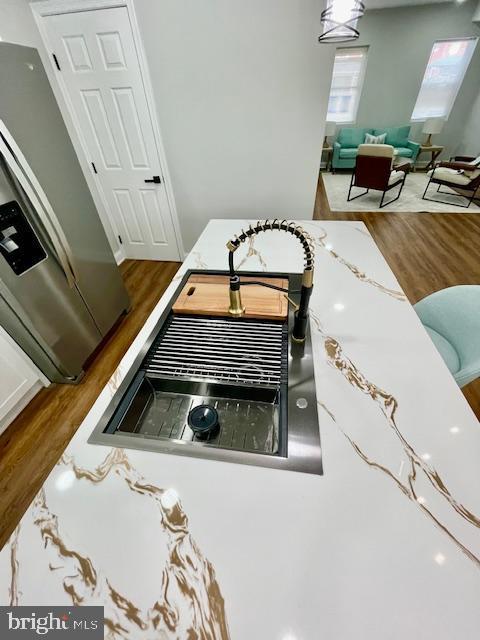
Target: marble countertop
[(386, 544)]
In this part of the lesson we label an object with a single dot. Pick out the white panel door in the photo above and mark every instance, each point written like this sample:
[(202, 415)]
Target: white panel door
[(101, 73)]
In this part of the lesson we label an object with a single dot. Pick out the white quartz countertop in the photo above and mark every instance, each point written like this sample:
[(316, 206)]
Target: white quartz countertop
[(385, 545)]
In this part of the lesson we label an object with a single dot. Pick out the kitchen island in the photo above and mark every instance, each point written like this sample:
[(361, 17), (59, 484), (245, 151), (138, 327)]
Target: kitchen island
[(385, 544)]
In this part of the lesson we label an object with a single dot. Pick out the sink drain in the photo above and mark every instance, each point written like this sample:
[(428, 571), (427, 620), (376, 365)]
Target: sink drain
[(203, 421)]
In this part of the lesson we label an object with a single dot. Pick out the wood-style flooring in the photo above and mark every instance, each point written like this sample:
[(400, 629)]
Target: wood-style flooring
[(426, 252), (32, 444)]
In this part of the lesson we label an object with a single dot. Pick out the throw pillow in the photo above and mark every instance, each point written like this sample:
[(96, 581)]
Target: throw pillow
[(369, 139)]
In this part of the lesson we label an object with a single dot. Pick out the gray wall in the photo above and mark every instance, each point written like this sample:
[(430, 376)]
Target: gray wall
[(17, 24), (241, 90), (470, 141), (400, 40)]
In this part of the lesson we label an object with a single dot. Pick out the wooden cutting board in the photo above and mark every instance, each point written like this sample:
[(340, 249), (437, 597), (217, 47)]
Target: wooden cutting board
[(209, 295)]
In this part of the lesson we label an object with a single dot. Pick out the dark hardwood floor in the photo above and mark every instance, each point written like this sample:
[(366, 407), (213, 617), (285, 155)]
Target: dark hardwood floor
[(426, 252), (32, 444)]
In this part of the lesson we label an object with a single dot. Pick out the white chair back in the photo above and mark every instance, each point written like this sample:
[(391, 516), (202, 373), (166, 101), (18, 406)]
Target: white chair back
[(377, 150)]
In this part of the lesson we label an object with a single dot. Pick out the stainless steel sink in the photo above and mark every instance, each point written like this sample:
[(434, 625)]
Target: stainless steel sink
[(260, 383), (248, 417)]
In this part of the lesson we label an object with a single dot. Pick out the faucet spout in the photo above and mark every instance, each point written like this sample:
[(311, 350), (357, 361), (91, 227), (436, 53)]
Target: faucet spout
[(301, 315)]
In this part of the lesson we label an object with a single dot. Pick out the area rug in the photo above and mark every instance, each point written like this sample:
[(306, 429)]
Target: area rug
[(336, 186)]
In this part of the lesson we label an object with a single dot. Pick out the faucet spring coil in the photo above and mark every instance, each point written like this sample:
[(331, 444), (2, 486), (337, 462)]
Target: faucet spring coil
[(279, 225)]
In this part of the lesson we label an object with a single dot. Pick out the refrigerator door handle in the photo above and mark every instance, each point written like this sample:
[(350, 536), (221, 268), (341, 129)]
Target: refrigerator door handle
[(29, 183)]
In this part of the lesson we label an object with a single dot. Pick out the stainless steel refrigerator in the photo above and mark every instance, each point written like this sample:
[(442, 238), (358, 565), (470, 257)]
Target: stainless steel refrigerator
[(60, 288)]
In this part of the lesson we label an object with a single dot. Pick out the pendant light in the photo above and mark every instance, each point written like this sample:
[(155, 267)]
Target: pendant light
[(340, 20)]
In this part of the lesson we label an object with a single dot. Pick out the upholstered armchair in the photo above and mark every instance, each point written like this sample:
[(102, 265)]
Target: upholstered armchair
[(452, 320), (462, 159), (463, 174), (374, 170)]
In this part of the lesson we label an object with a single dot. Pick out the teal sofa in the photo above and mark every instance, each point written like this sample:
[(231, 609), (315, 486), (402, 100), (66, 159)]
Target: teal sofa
[(346, 145)]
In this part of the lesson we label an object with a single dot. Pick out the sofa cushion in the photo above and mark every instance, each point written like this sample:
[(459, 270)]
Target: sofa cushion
[(348, 153), (396, 136), (450, 175), (404, 152), (350, 138), (396, 176)]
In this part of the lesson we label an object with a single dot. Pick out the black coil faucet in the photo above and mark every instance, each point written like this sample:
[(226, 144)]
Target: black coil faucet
[(301, 314)]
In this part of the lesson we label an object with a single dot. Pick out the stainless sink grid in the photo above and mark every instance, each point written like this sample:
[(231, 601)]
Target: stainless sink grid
[(222, 350)]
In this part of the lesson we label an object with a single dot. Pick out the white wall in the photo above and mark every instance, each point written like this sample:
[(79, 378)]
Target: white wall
[(476, 15), (241, 89), (17, 24), (407, 34), (470, 142)]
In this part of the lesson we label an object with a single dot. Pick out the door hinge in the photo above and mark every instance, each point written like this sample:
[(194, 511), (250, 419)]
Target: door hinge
[(94, 167), (120, 239), (56, 61)]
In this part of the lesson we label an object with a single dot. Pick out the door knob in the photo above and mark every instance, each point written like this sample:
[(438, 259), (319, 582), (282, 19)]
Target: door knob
[(155, 179)]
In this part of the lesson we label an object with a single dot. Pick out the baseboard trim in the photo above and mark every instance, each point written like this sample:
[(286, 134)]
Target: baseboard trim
[(119, 257)]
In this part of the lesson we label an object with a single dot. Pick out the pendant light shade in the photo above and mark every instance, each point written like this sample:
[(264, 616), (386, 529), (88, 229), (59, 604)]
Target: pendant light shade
[(340, 19)]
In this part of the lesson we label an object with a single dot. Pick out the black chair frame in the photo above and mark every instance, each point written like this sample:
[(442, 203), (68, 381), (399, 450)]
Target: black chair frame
[(385, 191), (440, 183)]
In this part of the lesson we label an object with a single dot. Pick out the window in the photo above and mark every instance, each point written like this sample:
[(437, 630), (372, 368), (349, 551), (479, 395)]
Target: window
[(347, 81), (443, 77)]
